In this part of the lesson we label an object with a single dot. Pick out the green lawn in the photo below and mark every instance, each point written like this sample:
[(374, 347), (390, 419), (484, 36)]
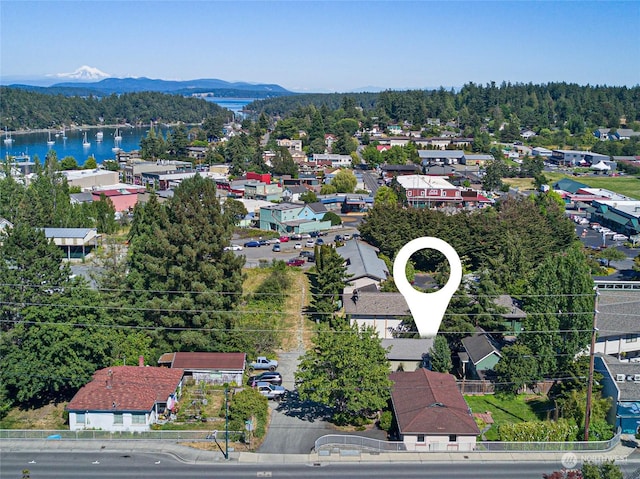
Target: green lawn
[(625, 185), (507, 409)]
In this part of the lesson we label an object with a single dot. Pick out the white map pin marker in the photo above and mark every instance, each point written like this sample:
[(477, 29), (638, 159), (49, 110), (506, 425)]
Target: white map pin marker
[(427, 309)]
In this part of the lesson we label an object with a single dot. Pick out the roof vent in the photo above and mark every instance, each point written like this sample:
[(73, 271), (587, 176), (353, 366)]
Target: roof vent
[(620, 377), (636, 377), (629, 377)]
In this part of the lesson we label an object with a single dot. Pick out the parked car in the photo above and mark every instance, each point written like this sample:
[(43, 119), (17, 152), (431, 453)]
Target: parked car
[(276, 248), (297, 246), (233, 247), (284, 239), (272, 377), (264, 242), (314, 234), (296, 236), (305, 236), (271, 391), (346, 237), (306, 254), (310, 244), (319, 241), (311, 258), (338, 238), (252, 244), (619, 237), (295, 262), (595, 226)]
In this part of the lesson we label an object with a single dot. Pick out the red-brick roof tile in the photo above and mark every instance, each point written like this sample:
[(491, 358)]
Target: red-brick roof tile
[(129, 388), (427, 402)]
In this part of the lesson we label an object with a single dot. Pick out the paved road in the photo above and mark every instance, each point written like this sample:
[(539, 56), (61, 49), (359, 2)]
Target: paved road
[(106, 465)]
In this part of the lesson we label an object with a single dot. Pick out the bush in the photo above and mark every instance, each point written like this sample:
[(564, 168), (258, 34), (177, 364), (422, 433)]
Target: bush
[(248, 404), (334, 218), (386, 418)]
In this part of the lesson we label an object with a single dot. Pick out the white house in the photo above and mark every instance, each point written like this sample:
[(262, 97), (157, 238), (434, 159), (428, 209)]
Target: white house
[(431, 413), (125, 398)]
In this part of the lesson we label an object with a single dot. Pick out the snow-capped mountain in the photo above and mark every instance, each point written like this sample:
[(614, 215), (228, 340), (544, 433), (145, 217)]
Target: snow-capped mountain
[(84, 73)]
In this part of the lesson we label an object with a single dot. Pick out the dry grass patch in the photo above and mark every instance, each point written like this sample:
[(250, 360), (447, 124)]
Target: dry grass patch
[(51, 417), (520, 183)]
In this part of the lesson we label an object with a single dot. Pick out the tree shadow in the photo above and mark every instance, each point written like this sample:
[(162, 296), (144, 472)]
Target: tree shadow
[(309, 411)]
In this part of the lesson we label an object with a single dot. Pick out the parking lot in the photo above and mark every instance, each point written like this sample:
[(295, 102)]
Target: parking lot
[(256, 255)]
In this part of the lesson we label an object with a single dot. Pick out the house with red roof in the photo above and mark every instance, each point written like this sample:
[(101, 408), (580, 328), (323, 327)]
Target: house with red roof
[(214, 368), (125, 398), (431, 413)]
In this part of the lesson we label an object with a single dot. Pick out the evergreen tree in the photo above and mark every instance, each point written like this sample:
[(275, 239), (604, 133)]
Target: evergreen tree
[(329, 282), (191, 284), (440, 355), (346, 370)]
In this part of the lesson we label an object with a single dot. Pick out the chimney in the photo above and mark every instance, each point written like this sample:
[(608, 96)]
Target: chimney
[(141, 361), (109, 377)]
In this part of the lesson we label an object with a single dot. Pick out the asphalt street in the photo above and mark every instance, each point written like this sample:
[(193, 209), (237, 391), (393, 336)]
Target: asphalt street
[(106, 465)]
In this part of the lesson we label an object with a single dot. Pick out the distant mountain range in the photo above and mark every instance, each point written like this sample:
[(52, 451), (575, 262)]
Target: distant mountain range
[(108, 86)]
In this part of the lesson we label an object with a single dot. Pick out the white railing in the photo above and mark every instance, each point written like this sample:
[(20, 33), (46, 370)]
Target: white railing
[(90, 434), (346, 442)]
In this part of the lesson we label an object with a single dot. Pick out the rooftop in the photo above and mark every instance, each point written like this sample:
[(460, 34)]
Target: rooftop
[(427, 402), (126, 388)]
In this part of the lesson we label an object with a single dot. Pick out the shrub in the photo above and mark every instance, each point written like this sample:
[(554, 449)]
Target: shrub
[(386, 418)]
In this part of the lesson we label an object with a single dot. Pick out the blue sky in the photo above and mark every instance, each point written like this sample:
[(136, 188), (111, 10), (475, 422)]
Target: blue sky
[(327, 46)]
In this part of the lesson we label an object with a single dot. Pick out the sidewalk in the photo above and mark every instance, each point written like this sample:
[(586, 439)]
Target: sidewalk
[(196, 456)]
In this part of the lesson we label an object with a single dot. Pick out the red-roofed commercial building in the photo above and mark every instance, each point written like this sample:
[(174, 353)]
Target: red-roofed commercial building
[(215, 368), (123, 199), (431, 413), (125, 398)]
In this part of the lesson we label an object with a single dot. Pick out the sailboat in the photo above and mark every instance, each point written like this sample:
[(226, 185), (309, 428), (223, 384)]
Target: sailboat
[(85, 143), (50, 142), (7, 137), (116, 140), (99, 136)]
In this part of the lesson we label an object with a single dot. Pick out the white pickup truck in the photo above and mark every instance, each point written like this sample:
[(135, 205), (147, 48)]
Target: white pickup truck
[(262, 363)]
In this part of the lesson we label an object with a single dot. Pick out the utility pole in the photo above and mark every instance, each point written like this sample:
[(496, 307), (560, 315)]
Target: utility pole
[(594, 331), (226, 424)]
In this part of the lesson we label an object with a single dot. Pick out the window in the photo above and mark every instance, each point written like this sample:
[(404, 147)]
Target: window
[(117, 418), (630, 338), (452, 438), (138, 419), (420, 437), (80, 418)]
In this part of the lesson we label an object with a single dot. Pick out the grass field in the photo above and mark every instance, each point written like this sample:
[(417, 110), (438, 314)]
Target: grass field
[(624, 185), (507, 409)]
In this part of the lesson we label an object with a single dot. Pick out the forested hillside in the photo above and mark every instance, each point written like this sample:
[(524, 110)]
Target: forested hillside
[(574, 106), (20, 109)]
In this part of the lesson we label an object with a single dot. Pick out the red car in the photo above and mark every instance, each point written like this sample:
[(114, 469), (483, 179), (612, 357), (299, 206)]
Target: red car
[(284, 239), (295, 262)]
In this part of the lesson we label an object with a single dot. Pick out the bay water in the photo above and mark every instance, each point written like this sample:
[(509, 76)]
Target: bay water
[(34, 144)]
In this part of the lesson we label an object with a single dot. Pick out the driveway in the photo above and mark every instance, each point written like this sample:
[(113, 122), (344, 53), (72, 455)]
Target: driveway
[(295, 425)]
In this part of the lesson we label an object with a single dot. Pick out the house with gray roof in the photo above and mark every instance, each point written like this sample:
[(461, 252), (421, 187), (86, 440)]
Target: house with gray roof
[(621, 382), (76, 242), (385, 312), (363, 265), (407, 354), (482, 353), (618, 320)]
